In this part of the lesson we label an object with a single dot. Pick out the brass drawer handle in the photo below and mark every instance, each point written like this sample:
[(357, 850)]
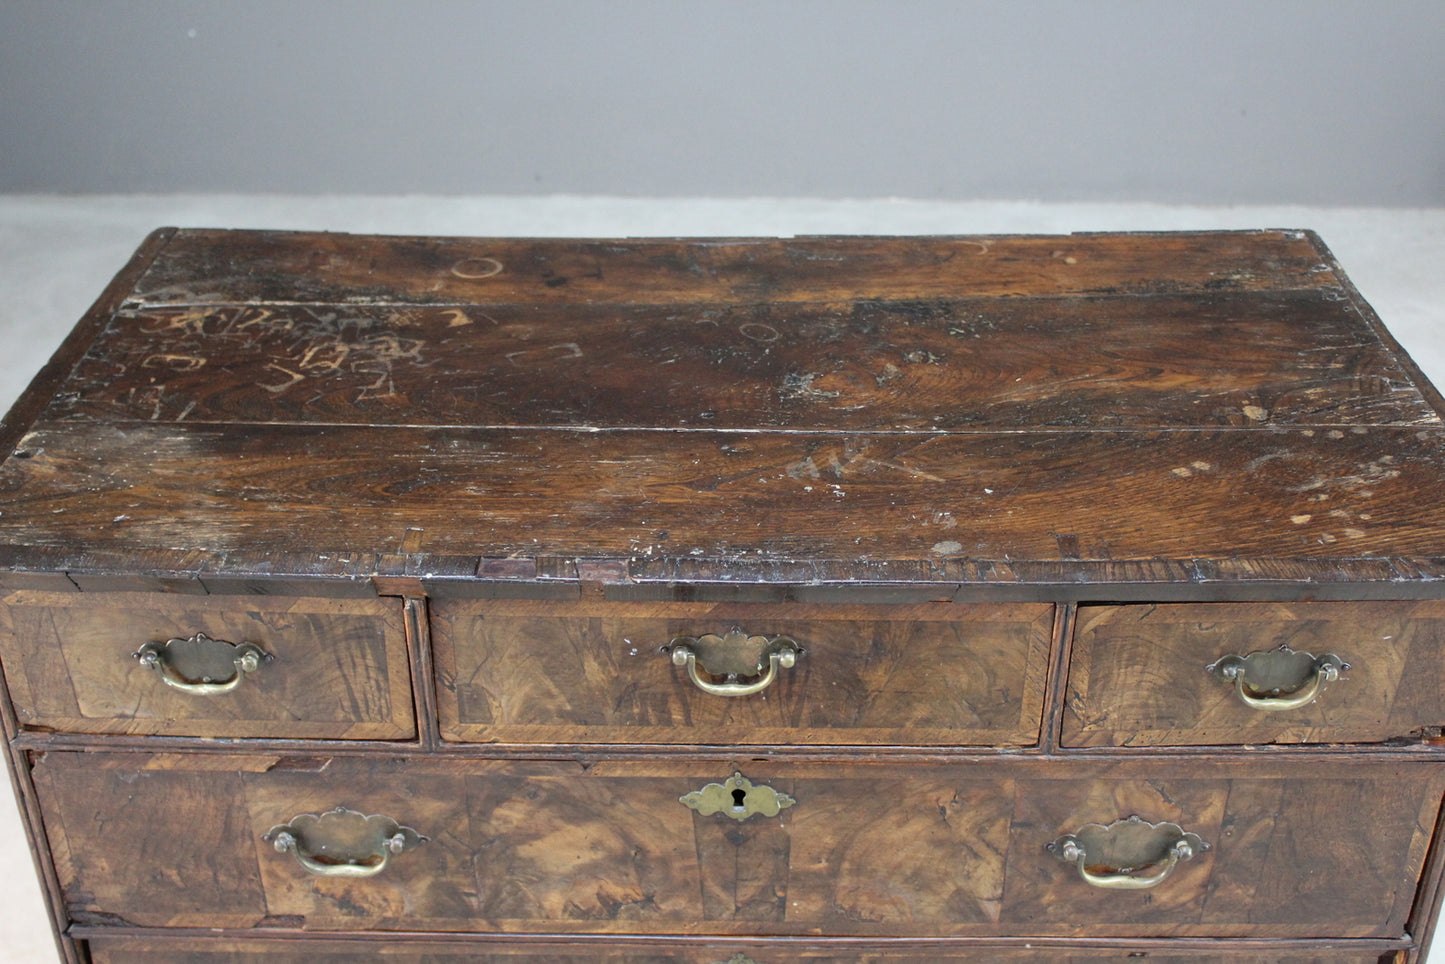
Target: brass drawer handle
[(1109, 857), (1280, 679), (201, 665), (734, 656), (342, 842)]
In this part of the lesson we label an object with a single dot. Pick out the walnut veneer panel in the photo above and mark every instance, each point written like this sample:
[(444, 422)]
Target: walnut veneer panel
[(1294, 850), (121, 951), (515, 671), (1138, 673), (339, 668)]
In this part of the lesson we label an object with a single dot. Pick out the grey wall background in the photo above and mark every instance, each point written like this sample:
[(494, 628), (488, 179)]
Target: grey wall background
[(1211, 101)]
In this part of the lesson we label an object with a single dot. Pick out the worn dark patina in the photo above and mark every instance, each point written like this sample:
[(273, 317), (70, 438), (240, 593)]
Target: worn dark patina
[(1046, 598)]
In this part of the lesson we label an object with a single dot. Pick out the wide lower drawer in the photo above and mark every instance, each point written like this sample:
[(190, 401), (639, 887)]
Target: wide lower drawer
[(987, 848), (208, 666), (932, 674), (220, 951), (1240, 673)]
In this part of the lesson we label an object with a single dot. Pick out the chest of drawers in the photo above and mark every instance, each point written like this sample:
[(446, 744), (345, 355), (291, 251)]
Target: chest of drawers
[(729, 602)]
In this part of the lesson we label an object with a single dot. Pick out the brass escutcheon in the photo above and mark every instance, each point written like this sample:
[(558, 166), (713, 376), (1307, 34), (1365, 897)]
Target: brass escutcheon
[(201, 665), (1278, 679), (737, 797), (342, 842), (733, 658), (1111, 857)]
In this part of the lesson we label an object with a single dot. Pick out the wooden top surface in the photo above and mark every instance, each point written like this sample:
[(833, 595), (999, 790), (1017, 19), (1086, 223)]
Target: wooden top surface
[(1071, 415)]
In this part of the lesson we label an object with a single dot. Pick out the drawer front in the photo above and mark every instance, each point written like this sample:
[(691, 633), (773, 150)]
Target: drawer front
[(1286, 851), (106, 663), (936, 673), (199, 951), (1141, 675)]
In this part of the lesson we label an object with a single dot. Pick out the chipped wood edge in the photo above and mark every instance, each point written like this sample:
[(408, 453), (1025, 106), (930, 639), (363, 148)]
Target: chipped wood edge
[(354, 574)]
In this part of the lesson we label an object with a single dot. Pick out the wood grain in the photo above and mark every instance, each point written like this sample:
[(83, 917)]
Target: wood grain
[(1313, 844), (1138, 673), (138, 843), (1244, 359), (867, 850), (525, 672), (860, 502), (340, 668), (1003, 411), (902, 452), (209, 267), (114, 950)]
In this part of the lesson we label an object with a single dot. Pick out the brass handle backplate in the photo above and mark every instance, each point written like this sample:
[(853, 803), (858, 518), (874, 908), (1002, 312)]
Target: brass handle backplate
[(1279, 679), (201, 665), (734, 664), (1113, 857), (342, 842)]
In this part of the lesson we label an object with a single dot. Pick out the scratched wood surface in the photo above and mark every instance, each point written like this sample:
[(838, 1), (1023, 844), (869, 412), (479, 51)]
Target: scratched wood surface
[(312, 951), (515, 671), (319, 491), (952, 409), (1214, 359), (1137, 674), (1295, 849), (207, 267), (339, 670)]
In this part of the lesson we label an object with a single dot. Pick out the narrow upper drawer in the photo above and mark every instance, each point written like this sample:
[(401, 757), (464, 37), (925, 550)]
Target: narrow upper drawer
[(1238, 673), (208, 666), (929, 674)]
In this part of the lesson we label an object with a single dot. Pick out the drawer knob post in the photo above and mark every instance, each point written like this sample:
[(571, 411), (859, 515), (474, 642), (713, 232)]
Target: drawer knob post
[(1279, 679), (1111, 857), (342, 842), (201, 665), (734, 656)]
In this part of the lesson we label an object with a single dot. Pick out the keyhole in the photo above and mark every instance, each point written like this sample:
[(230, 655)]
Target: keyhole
[(738, 796)]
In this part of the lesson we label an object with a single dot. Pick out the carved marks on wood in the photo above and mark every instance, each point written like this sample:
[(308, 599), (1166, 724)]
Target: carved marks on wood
[(274, 350), (923, 364)]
